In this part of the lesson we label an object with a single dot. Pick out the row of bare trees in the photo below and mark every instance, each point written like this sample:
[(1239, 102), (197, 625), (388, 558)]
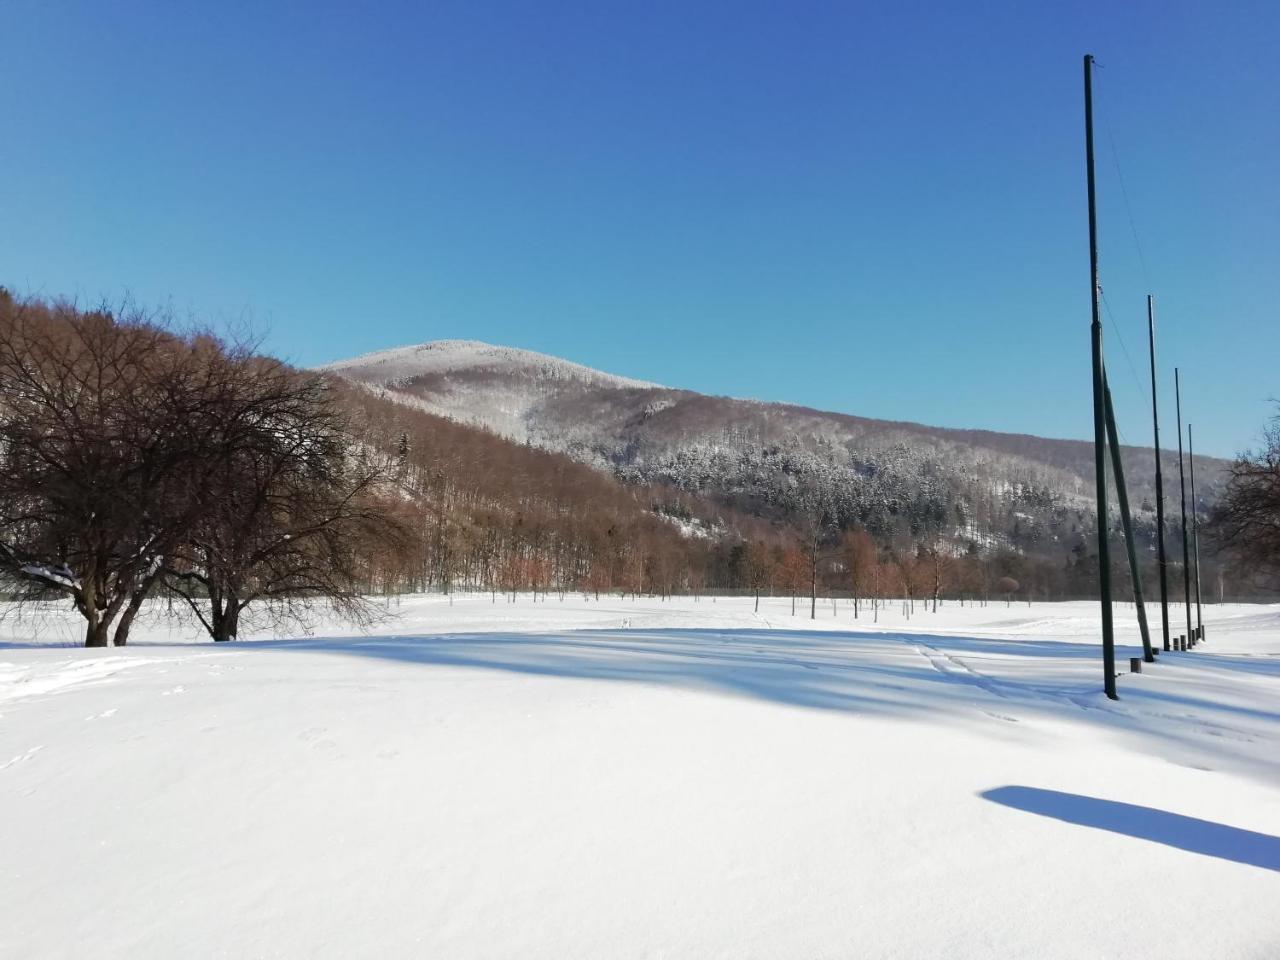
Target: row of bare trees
[(135, 459), (855, 567)]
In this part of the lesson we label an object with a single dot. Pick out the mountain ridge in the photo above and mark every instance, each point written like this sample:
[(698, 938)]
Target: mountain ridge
[(362, 368), (899, 479), (458, 354)]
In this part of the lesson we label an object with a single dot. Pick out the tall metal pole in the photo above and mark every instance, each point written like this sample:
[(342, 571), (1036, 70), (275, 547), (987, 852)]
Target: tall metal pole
[(1122, 496), (1182, 484), (1195, 530), (1155, 422), (1099, 402)]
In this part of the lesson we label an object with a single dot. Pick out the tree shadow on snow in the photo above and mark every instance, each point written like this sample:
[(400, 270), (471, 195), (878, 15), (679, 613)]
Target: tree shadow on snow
[(994, 683), (885, 673), (1145, 823)]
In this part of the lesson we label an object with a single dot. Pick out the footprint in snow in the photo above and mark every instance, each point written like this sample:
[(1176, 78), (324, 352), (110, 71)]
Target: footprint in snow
[(315, 736), (176, 690), (22, 757)]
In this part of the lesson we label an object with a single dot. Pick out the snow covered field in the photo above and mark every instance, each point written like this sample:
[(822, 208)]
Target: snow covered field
[(639, 779)]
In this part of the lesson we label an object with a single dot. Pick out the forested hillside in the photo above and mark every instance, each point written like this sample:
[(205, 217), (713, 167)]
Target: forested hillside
[(981, 495)]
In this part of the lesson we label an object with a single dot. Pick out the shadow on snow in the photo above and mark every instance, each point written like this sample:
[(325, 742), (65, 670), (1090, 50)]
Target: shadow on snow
[(1145, 823), (899, 673), (904, 675)]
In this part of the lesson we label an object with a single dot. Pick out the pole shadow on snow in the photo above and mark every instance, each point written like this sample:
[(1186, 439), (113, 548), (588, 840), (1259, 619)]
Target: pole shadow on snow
[(1145, 823)]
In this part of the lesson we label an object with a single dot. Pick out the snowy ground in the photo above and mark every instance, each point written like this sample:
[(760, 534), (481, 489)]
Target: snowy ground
[(643, 779)]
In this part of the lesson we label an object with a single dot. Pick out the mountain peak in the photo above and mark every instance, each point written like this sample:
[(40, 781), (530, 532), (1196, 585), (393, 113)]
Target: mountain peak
[(462, 357)]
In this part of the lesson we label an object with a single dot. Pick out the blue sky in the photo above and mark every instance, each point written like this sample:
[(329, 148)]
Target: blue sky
[(877, 209)]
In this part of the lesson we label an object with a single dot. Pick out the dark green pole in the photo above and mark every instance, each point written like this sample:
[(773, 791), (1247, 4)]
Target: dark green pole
[(1155, 422), (1099, 404), (1195, 530), (1122, 495), (1182, 485)]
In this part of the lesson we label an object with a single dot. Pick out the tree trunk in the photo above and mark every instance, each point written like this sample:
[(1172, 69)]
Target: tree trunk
[(225, 617), (96, 633), (813, 583), (131, 609), (126, 622), (937, 579)]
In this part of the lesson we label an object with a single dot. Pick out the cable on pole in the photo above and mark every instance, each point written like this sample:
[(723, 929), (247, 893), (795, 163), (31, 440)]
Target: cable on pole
[(1124, 347), (1124, 195)]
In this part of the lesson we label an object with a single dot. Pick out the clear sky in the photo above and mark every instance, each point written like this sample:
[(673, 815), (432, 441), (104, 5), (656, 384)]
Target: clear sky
[(872, 208)]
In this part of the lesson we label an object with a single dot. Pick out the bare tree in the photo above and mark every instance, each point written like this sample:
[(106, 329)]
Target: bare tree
[(815, 523), (859, 552), (132, 453), (294, 506), (760, 568), (793, 571), (1008, 586), (1246, 520), (914, 571), (938, 567), (103, 440)]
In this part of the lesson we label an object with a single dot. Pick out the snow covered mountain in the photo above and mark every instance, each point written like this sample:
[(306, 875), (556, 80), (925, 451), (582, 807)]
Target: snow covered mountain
[(503, 389), (984, 487), (459, 357)]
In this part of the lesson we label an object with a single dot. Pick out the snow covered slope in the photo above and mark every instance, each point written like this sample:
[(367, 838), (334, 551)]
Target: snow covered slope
[(499, 388), (1033, 494), (685, 779), (462, 357)]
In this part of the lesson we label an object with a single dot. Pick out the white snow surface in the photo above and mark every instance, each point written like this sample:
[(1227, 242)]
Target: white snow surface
[(640, 779), (459, 356)]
